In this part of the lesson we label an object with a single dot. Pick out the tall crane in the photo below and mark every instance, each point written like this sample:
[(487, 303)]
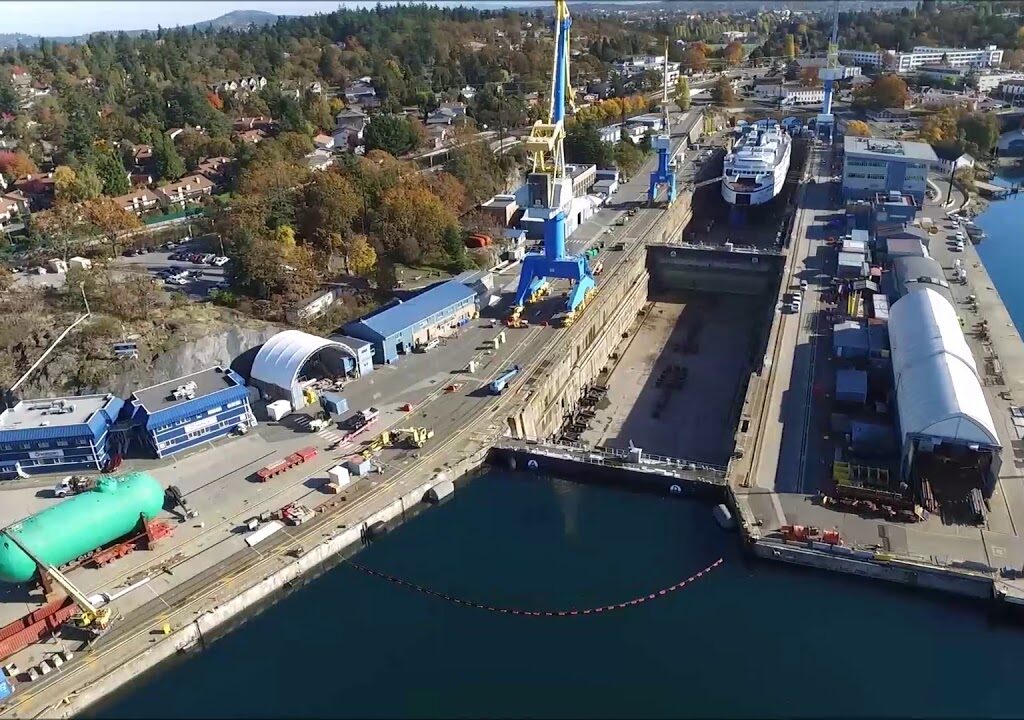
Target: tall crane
[(829, 74), (663, 174), (548, 188)]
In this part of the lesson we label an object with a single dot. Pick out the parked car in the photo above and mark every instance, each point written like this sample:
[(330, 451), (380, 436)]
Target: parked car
[(207, 258), (219, 261)]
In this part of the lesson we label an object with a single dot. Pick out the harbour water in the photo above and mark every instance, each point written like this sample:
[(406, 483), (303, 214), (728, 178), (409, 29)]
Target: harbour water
[(747, 639)]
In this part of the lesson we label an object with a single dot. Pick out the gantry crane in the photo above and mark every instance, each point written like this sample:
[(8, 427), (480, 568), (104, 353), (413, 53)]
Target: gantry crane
[(829, 74), (548, 189), (663, 174), (89, 618)]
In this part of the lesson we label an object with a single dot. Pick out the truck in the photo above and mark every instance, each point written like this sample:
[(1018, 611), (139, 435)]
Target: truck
[(499, 383), (361, 420), (279, 466), (73, 485), (319, 422)]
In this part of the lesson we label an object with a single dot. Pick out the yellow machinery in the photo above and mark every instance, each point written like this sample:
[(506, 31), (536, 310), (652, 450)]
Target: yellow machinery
[(415, 437), (542, 291), (570, 317), (91, 618)]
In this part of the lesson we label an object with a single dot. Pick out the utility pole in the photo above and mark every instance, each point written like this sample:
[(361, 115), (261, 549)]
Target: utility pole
[(949, 193)]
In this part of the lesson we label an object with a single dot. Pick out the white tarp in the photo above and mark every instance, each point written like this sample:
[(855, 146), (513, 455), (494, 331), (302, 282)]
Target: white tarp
[(938, 389), (281, 358)]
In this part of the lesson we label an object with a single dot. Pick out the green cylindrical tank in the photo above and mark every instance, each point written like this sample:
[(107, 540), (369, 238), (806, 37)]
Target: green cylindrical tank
[(80, 524)]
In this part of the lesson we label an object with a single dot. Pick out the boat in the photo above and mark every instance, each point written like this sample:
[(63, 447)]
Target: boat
[(755, 171)]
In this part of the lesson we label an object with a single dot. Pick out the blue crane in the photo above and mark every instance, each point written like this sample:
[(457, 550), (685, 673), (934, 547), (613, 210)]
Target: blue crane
[(663, 174), (545, 145), (829, 74)]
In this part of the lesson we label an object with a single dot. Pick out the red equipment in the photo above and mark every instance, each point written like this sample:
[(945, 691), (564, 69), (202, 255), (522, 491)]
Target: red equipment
[(279, 466)]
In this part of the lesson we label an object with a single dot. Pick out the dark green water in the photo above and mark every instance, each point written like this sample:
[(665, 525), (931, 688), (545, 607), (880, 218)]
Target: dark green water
[(749, 639)]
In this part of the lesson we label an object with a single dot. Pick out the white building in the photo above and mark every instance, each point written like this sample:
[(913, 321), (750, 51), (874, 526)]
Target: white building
[(990, 56), (642, 63), (989, 81), (786, 94), (872, 166), (1012, 89)]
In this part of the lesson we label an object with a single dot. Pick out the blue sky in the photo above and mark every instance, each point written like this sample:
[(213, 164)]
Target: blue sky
[(76, 18)]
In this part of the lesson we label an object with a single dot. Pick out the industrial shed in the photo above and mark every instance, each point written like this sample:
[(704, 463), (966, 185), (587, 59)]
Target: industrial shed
[(400, 328), (179, 414), (69, 434), (945, 423), (288, 357)]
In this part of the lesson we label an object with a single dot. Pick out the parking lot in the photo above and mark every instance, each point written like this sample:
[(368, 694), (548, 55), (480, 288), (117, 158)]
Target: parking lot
[(193, 278)]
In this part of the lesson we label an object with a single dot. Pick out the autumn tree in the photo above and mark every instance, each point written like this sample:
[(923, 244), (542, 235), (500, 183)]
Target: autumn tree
[(722, 93), (809, 77), (412, 221), (858, 128), (109, 220), (694, 58), (63, 227), (733, 53), (330, 205), (683, 93), (73, 186), (888, 91), (16, 164), (360, 257)]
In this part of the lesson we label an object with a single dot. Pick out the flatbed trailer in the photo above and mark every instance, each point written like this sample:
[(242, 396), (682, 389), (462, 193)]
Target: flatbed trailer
[(283, 465)]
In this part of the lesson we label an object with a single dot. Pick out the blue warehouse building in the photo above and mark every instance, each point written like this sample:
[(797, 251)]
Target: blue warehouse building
[(55, 435), (399, 329), (182, 413)]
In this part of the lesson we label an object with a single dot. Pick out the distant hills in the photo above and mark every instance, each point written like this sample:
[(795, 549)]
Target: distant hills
[(235, 20)]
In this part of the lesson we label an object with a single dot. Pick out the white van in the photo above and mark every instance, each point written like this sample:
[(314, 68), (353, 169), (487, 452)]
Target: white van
[(429, 345)]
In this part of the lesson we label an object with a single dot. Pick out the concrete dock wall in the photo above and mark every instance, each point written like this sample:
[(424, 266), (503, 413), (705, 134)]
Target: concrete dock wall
[(215, 619), (629, 476), (556, 385), (904, 573)]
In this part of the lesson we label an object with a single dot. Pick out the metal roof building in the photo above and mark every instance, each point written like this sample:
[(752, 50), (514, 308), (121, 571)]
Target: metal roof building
[(400, 328), (939, 396), (57, 434), (184, 412), (283, 360)]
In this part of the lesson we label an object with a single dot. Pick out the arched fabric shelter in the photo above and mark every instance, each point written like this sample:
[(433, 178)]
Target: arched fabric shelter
[(278, 363)]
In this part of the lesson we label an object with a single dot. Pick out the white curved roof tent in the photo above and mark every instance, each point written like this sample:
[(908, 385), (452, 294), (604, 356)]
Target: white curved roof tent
[(938, 390), (282, 357)]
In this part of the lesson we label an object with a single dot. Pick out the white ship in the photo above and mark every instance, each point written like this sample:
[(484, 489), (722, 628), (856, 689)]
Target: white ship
[(755, 171)]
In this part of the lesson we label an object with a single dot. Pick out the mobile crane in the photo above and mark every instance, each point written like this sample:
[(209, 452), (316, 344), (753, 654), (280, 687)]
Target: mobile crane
[(90, 618)]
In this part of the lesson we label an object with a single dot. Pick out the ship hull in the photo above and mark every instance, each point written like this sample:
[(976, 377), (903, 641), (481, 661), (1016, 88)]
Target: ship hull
[(764, 191)]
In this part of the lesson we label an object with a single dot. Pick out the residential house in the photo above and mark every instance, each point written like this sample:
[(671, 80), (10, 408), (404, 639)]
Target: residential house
[(13, 205), (216, 169), (315, 88), (467, 93), (360, 92), (142, 154), (951, 158), (140, 179), (349, 126), (437, 135), (260, 122), (38, 189), (245, 85), (323, 142), (319, 160), (447, 114), (191, 188), (138, 201), (253, 136)]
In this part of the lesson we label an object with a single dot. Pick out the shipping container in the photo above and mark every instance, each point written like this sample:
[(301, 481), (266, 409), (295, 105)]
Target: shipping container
[(278, 409)]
